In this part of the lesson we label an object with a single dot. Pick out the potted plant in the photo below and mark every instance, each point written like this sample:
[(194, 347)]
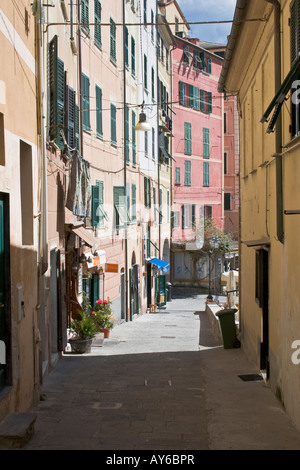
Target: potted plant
[(83, 328), (102, 315)]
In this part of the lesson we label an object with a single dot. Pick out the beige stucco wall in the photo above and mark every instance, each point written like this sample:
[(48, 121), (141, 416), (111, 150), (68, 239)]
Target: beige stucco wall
[(252, 76)]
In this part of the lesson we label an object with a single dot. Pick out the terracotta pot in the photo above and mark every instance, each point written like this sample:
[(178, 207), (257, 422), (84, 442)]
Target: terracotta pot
[(106, 332)]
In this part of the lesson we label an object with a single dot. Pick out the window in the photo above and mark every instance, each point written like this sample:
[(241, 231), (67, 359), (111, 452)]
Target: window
[(126, 47), (133, 203), (145, 72), (147, 191), (152, 83), (295, 49), (177, 175), (205, 101), (167, 59), (160, 203), (176, 25), (70, 116), (86, 103), (193, 215), (85, 15), (146, 144), (145, 12), (113, 124), (205, 174), (152, 26), (183, 94), (185, 216), (99, 112), (153, 143), (205, 142), (57, 95), (98, 212), (120, 204), (187, 138), (113, 52), (26, 193), (186, 55), (97, 19), (154, 204), (132, 56), (225, 123), (194, 101), (207, 212), (187, 173), (2, 141), (127, 133), (133, 144), (227, 199), (168, 206), (205, 63), (225, 163)]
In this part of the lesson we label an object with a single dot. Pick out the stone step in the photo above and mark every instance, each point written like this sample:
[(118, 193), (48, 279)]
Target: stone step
[(16, 429)]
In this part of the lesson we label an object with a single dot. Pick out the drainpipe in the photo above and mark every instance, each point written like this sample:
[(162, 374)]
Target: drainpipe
[(80, 79), (279, 185), (125, 165)]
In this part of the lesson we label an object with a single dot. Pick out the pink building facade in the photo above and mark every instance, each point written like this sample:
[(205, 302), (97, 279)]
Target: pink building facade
[(197, 148)]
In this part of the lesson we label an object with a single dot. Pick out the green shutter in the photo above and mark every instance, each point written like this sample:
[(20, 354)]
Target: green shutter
[(133, 202), (95, 205), (70, 117), (205, 143), (202, 101), (94, 289), (97, 18), (146, 191), (126, 47), (99, 112), (196, 98), (209, 99), (113, 52), (133, 138), (209, 65), (187, 138), (86, 103), (85, 15), (177, 177), (145, 71), (193, 215), (77, 126), (113, 124), (191, 95), (205, 174), (57, 94), (181, 93), (187, 173), (132, 55), (127, 133)]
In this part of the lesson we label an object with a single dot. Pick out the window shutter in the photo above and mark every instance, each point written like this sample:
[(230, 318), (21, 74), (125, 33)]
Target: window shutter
[(187, 138), (85, 15), (177, 180), (112, 40), (86, 102), (146, 191), (95, 205), (57, 94), (133, 202), (193, 215), (132, 55), (209, 99), (181, 93), (133, 138), (77, 126), (70, 119), (145, 72), (202, 101), (127, 133), (205, 142), (99, 111), (187, 173), (149, 192), (113, 124), (126, 47), (191, 95), (205, 174), (295, 30), (97, 15), (196, 98), (209, 65)]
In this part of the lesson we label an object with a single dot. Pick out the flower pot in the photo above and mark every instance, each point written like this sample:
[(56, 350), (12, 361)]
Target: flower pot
[(81, 346), (106, 332)]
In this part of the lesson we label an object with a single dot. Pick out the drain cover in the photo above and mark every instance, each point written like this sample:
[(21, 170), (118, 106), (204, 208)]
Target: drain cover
[(251, 377)]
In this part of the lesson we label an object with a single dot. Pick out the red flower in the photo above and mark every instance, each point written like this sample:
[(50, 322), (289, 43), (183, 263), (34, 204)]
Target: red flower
[(99, 301), (105, 301)]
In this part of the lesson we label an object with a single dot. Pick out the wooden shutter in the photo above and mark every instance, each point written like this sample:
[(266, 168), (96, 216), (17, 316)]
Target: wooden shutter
[(181, 93), (205, 142), (57, 94), (126, 47), (202, 101), (97, 17), (99, 112), (193, 215), (95, 205), (145, 71), (196, 98), (187, 138), (295, 30), (113, 124), (146, 191), (77, 126), (85, 14), (205, 174), (133, 202), (127, 133), (177, 180), (191, 96), (187, 173), (86, 102), (209, 65), (133, 138), (113, 40), (70, 116)]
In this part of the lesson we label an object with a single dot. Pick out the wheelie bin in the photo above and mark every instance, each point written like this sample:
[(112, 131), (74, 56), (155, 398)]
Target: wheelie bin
[(227, 324)]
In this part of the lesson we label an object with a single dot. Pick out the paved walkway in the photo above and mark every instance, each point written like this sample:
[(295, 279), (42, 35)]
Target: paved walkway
[(160, 383)]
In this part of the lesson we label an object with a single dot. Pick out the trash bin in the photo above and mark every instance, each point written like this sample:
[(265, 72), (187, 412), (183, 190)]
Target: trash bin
[(227, 323), (169, 290)]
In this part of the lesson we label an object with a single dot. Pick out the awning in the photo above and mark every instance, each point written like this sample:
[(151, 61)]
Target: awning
[(86, 236), (159, 263), (280, 96)]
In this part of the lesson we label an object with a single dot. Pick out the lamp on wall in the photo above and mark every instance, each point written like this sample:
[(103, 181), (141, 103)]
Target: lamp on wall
[(143, 125)]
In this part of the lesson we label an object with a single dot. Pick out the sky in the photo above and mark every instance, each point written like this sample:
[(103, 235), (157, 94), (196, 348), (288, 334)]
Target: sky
[(209, 10)]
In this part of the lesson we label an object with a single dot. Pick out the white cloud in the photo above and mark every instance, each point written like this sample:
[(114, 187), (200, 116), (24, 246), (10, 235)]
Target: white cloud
[(212, 10)]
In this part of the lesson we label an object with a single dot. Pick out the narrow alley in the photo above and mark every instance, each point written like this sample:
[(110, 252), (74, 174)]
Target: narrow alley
[(161, 382)]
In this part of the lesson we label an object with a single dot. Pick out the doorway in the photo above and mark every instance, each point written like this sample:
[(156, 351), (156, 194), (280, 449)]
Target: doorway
[(262, 299), (4, 291)]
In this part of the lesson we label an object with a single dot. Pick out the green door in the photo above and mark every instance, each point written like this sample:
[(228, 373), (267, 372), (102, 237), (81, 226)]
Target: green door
[(162, 289), (2, 291)]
